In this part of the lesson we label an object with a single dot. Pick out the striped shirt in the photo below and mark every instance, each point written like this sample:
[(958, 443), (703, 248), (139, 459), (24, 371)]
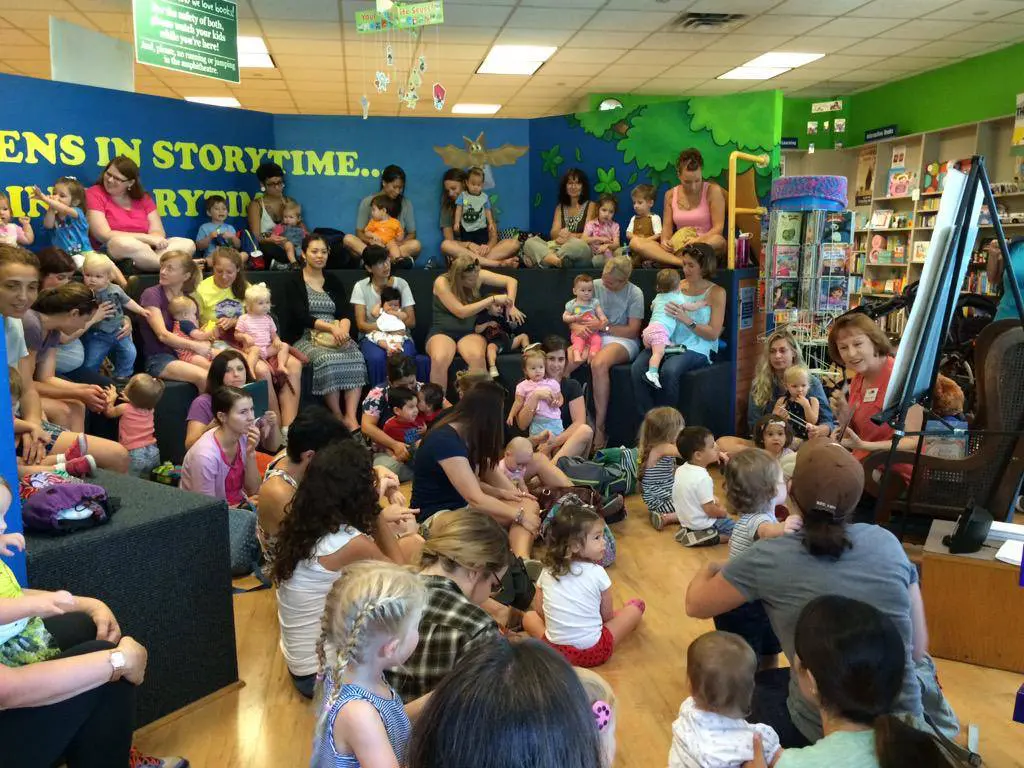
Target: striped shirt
[(391, 711), (744, 534), (656, 485)]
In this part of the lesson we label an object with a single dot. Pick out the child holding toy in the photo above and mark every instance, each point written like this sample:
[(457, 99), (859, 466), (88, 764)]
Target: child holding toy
[(135, 429), (292, 230), (801, 411), (216, 232), (582, 308)]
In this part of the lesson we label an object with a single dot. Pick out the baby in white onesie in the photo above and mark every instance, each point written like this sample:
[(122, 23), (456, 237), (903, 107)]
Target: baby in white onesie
[(710, 731)]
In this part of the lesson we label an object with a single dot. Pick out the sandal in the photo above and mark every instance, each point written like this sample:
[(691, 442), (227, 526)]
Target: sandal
[(656, 522)]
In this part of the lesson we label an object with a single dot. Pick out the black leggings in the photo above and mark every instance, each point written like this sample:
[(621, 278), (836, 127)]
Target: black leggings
[(91, 730), (769, 706)]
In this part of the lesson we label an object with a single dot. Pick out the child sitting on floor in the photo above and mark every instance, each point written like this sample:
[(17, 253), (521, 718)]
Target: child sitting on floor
[(293, 231), (604, 706), (431, 401), (135, 429), (256, 331), (704, 521), (573, 605), (406, 424), (391, 332), (548, 417), (802, 409), (583, 308), (493, 324), (658, 459), (657, 334), (775, 435), (710, 730), (518, 453), (370, 624), (186, 325)]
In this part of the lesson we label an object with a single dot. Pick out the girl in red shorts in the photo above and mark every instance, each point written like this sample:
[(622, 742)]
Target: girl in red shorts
[(573, 605)]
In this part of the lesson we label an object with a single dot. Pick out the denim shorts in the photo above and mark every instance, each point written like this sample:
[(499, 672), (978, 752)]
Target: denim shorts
[(724, 525), (542, 424), (155, 364)]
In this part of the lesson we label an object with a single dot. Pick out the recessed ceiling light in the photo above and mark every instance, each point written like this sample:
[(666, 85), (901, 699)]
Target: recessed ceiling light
[(475, 109), (215, 101), (753, 73), (783, 59), (252, 52), (515, 59)]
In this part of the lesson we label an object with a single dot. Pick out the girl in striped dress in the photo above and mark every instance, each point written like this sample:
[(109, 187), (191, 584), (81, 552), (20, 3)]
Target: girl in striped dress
[(658, 460), (370, 624)]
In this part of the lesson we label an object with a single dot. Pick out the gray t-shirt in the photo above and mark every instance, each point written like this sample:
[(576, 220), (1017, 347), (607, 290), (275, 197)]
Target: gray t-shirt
[(407, 218), (116, 296), (364, 293), (620, 306), (14, 335), (785, 577)]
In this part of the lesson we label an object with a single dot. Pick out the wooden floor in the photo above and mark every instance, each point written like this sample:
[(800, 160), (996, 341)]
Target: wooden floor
[(266, 724)]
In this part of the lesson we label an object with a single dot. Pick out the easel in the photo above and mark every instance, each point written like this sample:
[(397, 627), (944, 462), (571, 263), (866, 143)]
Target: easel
[(896, 416)]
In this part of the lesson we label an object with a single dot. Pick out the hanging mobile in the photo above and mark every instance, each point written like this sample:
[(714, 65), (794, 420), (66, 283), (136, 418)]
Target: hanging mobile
[(365, 104), (389, 55), (439, 94), (422, 64), (381, 81)]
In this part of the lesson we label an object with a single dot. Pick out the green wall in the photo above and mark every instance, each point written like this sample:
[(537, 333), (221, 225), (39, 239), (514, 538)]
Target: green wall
[(797, 112), (968, 91)]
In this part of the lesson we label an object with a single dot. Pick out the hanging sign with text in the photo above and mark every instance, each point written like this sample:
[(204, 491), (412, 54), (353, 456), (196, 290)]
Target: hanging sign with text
[(197, 37)]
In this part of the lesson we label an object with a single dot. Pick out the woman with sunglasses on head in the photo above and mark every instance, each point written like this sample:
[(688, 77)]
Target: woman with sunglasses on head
[(123, 219)]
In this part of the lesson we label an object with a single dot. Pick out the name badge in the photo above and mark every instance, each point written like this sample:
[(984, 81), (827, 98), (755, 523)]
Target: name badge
[(871, 395)]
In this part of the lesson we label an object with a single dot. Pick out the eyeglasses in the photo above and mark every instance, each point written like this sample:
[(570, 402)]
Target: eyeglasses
[(496, 588), (277, 183), (116, 179)]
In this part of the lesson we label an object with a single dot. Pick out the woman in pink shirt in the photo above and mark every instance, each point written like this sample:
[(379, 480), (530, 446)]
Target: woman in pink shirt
[(124, 221), (694, 203)]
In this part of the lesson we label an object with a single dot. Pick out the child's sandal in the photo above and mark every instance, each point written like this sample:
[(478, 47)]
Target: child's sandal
[(657, 522)]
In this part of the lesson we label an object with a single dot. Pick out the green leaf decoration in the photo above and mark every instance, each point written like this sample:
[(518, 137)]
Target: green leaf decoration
[(494, 206), (579, 155), (551, 160), (607, 184), (537, 200), (632, 179)]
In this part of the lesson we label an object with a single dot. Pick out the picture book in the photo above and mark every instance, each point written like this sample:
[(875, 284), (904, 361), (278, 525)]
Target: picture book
[(786, 294), (881, 217), (787, 226), (921, 250), (833, 295), (901, 182), (814, 226), (838, 227), (835, 260), (934, 178), (787, 260)]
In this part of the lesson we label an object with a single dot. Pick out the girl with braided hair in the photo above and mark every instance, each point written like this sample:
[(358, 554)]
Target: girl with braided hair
[(370, 624)]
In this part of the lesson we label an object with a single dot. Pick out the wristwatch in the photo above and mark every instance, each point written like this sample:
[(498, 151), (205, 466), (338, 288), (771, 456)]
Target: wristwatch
[(692, 324), (519, 517), (118, 664)]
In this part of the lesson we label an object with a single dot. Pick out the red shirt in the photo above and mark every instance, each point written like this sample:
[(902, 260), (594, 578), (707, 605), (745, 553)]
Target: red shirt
[(865, 401), (407, 432), (234, 483), (133, 219)]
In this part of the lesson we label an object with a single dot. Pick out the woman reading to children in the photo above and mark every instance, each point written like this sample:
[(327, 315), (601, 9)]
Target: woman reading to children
[(694, 213), (457, 303), (124, 220)]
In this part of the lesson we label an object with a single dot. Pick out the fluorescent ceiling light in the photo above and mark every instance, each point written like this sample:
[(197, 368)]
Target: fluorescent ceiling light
[(515, 59), (783, 59), (753, 73), (215, 101), (252, 53), (475, 109)]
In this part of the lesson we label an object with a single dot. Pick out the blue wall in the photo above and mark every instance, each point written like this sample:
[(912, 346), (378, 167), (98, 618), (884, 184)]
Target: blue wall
[(407, 142)]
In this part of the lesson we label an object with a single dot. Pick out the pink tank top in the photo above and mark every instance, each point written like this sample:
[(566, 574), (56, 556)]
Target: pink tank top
[(699, 218), (135, 429)]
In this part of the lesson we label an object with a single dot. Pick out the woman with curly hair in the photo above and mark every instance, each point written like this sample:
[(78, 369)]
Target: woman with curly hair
[(336, 517)]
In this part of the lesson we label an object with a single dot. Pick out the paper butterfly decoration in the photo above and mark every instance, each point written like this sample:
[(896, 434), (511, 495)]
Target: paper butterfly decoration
[(382, 81), (365, 103)]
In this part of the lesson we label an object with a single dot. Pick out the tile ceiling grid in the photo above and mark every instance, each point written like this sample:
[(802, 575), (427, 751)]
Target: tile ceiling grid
[(627, 45)]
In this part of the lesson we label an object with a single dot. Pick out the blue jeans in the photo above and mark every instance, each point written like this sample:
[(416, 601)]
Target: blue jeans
[(377, 361), (99, 345), (672, 369)]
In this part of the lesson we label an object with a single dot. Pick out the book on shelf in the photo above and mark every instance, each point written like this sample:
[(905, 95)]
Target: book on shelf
[(901, 182), (921, 250), (785, 294), (835, 260), (978, 282), (833, 294), (839, 227), (856, 284), (786, 261), (787, 227), (814, 227), (894, 324), (934, 178), (881, 217)]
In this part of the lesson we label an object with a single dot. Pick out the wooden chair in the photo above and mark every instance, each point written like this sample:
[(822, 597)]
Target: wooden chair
[(991, 472)]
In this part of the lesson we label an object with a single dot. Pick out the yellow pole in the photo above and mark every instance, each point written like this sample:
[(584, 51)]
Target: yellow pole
[(762, 161)]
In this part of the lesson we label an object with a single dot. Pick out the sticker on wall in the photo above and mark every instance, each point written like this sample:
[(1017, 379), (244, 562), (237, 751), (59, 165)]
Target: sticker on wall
[(382, 81), (812, 127), (365, 104), (389, 55), (839, 125), (439, 95)]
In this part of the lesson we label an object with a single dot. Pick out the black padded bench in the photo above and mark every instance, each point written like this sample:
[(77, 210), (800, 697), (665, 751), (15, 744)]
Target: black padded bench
[(162, 565)]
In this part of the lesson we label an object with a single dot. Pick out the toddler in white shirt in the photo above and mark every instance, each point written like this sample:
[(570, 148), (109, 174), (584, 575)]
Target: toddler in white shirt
[(710, 731)]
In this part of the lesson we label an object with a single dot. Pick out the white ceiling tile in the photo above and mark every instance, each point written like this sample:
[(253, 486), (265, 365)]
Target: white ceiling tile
[(946, 49), (44, 5), (40, 20), (666, 85), (562, 80), (499, 82), (908, 63), (817, 7), (885, 73), (315, 75), (623, 40), (637, 20), (920, 29), (688, 71), (673, 41), (475, 15), (904, 9), (304, 30), (445, 53), (313, 10), (559, 68), (525, 36), (751, 44), (324, 62), (618, 84), (586, 55), (551, 17), (643, 57), (844, 61), (768, 24), (716, 87), (289, 46), (645, 72), (262, 85), (674, 6), (1000, 32), (111, 22), (874, 46), (976, 10), (855, 27), (812, 43), (727, 59), (567, 3), (733, 6)]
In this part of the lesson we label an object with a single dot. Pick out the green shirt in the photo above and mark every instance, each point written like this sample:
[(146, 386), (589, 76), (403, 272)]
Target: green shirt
[(842, 749)]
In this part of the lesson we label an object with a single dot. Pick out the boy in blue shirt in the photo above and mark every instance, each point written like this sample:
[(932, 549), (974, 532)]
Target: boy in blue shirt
[(216, 232)]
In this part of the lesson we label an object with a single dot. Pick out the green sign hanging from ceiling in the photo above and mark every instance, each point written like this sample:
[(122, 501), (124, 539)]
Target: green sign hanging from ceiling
[(407, 16), (198, 37)]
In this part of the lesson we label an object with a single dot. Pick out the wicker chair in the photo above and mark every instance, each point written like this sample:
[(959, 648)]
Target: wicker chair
[(991, 472)]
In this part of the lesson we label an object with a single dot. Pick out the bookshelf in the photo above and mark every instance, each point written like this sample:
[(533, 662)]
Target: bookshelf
[(906, 232)]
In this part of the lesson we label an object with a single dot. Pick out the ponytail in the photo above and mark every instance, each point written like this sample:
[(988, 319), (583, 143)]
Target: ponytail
[(898, 744)]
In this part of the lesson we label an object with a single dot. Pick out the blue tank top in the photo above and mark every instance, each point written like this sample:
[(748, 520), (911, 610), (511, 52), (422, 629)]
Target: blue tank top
[(392, 713), (687, 337), (1007, 307)]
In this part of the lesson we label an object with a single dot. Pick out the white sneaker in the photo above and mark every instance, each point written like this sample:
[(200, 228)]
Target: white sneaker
[(493, 371), (653, 379)]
